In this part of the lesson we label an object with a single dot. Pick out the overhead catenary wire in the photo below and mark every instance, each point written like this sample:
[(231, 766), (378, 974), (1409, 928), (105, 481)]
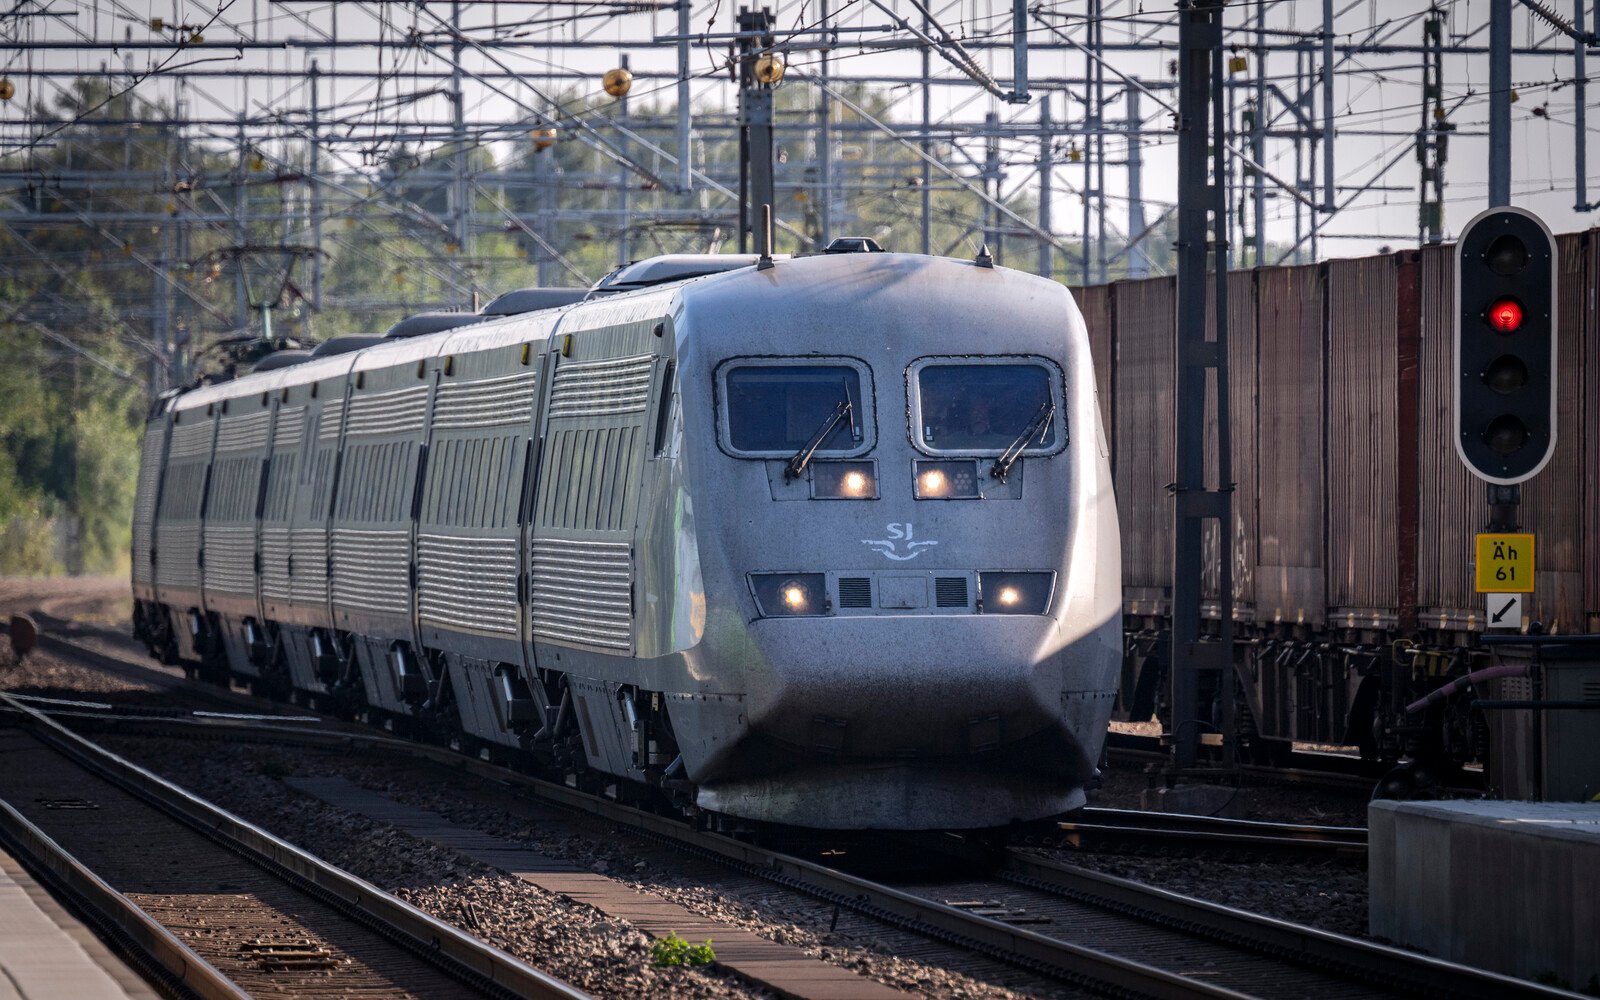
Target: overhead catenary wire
[(414, 41)]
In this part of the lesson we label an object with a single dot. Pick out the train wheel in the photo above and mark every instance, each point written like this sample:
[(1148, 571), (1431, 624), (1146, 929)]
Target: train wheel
[(1410, 781)]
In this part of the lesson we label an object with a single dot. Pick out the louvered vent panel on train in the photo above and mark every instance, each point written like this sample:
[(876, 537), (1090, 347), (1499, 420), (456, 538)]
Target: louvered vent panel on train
[(275, 563), (594, 479), (291, 426), (398, 411), (855, 592), (950, 591), (144, 505), (230, 559), (247, 433), (583, 592), (467, 582)]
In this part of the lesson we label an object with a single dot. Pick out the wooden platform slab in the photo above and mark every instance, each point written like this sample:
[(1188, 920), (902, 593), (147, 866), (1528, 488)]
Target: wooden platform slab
[(787, 971)]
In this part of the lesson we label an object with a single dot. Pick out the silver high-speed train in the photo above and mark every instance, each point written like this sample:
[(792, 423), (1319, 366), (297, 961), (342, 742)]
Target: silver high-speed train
[(829, 541)]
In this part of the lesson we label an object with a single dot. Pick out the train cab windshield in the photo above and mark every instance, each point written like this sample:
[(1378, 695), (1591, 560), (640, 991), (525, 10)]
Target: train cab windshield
[(775, 408), (985, 407)]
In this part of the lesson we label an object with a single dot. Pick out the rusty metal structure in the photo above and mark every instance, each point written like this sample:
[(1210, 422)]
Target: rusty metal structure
[(1351, 546)]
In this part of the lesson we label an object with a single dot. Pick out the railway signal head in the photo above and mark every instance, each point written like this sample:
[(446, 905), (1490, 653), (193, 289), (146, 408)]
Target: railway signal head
[(1505, 353)]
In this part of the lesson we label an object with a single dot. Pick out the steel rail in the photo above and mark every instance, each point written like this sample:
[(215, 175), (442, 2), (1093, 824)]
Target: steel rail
[(1096, 827), (447, 947), (1353, 957), (82, 706), (1366, 960), (152, 950), (1018, 946), (1306, 767), (1392, 968)]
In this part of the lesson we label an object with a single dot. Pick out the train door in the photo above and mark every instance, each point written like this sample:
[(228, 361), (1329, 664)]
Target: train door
[(582, 562), (370, 544), (298, 601), (152, 462), (470, 524), (228, 547), (178, 525)]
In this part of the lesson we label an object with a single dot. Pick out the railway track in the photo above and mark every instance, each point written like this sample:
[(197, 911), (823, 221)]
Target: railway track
[(212, 906), (1096, 931), (1128, 830), (1339, 772), (1307, 768)]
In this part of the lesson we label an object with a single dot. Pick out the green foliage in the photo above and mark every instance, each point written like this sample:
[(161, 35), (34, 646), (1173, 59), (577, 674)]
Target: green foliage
[(75, 320), (27, 546), (673, 950), (87, 312)]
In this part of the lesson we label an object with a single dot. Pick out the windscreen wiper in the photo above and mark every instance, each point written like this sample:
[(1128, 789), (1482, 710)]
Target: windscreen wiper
[(796, 466), (1038, 425)]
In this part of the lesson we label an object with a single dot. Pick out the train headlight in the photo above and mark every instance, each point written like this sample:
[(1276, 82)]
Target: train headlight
[(947, 480), (790, 595), (1016, 593), (844, 481)]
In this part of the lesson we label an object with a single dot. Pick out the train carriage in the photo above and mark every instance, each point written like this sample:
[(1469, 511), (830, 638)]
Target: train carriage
[(830, 542)]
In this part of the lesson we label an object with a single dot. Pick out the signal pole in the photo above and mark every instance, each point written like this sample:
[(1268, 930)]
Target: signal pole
[(1202, 227), (756, 187), (1433, 135), (1499, 103)]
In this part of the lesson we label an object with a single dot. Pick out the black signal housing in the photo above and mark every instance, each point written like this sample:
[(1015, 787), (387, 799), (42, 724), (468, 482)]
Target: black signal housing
[(1505, 349)]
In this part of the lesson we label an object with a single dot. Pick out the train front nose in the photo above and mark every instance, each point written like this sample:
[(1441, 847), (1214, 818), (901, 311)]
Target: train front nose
[(914, 686), (916, 720)]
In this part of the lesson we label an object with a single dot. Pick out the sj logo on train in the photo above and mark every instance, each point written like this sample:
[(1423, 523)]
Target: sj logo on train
[(900, 533)]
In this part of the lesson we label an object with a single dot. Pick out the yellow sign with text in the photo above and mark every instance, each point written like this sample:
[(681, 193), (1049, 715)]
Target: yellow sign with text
[(1505, 564)]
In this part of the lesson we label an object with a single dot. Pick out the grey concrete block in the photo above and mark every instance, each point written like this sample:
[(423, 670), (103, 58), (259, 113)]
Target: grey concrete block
[(1509, 886)]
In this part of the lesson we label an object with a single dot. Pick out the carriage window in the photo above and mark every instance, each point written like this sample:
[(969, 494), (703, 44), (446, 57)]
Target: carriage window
[(777, 408), (986, 407)]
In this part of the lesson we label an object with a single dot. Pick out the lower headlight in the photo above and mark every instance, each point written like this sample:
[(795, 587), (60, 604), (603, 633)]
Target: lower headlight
[(790, 595), (1015, 593)]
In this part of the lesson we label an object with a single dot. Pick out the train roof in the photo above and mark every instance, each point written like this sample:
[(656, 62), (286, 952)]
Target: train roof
[(525, 300), (512, 329), (422, 324), (310, 370), (855, 286), (346, 344), (666, 268), (859, 290), (281, 359)]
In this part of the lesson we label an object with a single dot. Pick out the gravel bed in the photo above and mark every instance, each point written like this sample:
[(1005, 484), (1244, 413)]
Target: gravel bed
[(48, 676), (607, 957), (238, 778), (1328, 895), (1122, 785), (569, 940)]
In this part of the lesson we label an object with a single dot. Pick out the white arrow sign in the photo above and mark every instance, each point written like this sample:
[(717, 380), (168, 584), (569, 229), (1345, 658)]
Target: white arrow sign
[(1504, 610)]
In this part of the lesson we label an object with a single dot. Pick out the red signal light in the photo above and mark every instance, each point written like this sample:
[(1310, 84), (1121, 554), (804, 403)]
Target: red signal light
[(1505, 315)]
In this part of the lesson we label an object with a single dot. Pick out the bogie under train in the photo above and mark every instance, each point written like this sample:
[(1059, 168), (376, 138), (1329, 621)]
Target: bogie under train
[(828, 543)]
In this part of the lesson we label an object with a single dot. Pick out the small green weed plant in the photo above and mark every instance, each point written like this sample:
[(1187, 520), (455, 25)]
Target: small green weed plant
[(673, 950)]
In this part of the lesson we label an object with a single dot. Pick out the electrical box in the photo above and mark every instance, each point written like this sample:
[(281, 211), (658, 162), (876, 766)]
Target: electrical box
[(1544, 729)]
